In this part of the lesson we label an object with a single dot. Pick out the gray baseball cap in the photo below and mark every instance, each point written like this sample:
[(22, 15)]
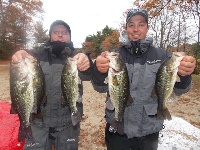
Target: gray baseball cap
[(138, 11)]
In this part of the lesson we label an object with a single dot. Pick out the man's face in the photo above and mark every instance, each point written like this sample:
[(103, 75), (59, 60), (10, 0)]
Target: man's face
[(60, 33), (137, 28)]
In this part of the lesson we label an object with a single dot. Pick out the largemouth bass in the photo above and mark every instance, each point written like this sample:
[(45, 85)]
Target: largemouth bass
[(118, 85), (165, 80), (27, 93), (69, 84)]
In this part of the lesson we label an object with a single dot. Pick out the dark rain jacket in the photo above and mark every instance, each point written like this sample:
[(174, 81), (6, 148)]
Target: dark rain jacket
[(140, 117), (54, 113)]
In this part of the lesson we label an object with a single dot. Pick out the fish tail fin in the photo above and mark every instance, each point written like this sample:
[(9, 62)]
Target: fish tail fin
[(12, 109), (164, 113), (130, 100), (76, 118), (38, 116), (118, 126), (167, 114), (24, 133)]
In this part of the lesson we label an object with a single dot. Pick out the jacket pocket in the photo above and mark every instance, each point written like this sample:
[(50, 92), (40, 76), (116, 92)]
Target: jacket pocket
[(151, 123), (151, 109)]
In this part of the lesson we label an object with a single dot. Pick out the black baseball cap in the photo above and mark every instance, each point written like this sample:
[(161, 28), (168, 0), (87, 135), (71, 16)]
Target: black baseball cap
[(59, 22), (138, 11)]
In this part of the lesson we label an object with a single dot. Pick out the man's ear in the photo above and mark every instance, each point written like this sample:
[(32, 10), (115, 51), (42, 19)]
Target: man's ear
[(148, 26)]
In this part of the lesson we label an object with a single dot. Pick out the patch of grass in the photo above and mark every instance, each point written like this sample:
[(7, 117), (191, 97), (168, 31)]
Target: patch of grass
[(196, 81)]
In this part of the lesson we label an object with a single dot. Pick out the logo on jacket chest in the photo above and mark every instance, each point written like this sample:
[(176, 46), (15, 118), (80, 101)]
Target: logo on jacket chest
[(153, 61)]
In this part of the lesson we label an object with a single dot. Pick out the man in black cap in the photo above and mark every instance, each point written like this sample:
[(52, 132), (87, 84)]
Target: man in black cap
[(142, 59), (55, 128)]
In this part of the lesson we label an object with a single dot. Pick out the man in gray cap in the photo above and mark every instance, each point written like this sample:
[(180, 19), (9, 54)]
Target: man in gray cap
[(56, 128), (141, 122)]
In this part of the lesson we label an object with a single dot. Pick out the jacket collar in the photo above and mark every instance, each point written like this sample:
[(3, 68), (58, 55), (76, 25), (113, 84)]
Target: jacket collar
[(135, 47)]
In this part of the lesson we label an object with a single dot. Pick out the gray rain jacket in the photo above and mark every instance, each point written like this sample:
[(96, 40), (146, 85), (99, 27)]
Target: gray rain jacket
[(140, 117), (54, 114)]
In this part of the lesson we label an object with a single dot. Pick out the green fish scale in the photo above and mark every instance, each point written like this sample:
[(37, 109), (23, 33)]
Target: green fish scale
[(24, 98), (166, 78), (118, 92), (165, 87), (70, 87), (38, 84)]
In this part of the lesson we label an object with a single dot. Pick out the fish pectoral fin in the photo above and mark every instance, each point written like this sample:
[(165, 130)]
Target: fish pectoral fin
[(130, 100), (172, 97), (109, 104), (178, 78), (76, 118), (79, 80), (153, 92), (106, 80)]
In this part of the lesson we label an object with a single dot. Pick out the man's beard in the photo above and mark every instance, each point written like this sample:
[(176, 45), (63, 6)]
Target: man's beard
[(62, 48)]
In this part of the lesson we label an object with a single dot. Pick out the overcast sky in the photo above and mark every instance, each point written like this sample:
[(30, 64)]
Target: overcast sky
[(85, 17)]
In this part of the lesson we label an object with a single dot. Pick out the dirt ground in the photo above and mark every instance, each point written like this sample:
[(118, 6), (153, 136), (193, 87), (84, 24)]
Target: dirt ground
[(91, 136)]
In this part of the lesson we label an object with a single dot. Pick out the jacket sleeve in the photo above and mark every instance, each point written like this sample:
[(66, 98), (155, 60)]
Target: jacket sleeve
[(37, 53), (98, 80), (184, 85)]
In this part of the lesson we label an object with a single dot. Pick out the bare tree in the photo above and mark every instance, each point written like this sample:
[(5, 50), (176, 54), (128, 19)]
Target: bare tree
[(170, 21)]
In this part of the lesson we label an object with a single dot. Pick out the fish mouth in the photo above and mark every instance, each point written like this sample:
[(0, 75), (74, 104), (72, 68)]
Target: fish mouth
[(112, 55), (115, 71), (71, 59), (179, 54)]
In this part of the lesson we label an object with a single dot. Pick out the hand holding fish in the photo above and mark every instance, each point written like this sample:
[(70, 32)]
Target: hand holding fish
[(82, 61), (186, 66), (19, 55), (102, 62)]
